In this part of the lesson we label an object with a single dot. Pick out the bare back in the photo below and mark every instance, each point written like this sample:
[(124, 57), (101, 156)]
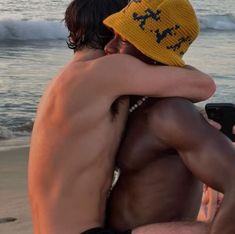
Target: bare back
[(76, 134), (154, 186), (75, 138)]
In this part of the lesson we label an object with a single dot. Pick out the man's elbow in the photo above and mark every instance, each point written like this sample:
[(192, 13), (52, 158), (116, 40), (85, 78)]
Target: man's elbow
[(208, 88)]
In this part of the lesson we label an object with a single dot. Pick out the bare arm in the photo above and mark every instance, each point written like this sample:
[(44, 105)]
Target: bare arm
[(127, 75), (205, 151)]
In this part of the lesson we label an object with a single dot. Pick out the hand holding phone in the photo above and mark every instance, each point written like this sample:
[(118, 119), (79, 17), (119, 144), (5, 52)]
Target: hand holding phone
[(224, 114)]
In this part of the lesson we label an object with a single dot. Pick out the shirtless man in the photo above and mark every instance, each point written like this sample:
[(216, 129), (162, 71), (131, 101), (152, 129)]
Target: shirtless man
[(168, 145), (79, 122)]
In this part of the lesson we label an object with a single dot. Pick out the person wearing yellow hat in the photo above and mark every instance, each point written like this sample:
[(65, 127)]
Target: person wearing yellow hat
[(81, 118), (162, 30), (168, 146)]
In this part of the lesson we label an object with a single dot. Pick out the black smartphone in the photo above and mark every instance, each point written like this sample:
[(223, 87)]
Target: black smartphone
[(223, 113)]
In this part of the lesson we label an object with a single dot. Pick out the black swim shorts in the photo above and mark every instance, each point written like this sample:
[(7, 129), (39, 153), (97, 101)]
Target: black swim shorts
[(100, 230)]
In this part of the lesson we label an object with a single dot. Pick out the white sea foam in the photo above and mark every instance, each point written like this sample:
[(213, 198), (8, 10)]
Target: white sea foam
[(5, 133), (31, 30), (218, 22), (24, 129), (55, 30)]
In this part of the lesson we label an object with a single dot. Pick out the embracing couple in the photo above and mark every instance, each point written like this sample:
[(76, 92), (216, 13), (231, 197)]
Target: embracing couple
[(125, 100)]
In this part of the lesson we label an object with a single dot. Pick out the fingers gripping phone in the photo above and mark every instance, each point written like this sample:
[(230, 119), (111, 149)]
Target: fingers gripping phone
[(224, 114)]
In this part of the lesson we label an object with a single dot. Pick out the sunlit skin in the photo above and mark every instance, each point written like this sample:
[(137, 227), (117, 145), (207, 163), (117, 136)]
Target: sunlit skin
[(76, 134), (77, 130), (167, 147)]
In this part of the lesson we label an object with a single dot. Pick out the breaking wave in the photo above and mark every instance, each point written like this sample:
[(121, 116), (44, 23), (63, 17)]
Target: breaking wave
[(32, 30), (55, 30), (218, 22), (16, 131)]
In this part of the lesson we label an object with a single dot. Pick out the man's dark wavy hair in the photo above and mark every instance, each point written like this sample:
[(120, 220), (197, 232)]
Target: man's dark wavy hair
[(83, 19)]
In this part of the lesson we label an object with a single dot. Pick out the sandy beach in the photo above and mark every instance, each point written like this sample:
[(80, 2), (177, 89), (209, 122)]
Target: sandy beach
[(13, 192)]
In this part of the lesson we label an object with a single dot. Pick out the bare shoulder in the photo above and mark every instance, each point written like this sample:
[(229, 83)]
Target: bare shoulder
[(114, 65), (73, 94), (172, 109), (111, 73), (70, 73), (81, 77), (171, 117), (116, 60), (178, 123), (102, 69)]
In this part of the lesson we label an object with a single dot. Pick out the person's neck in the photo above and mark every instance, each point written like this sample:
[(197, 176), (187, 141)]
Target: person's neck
[(88, 54)]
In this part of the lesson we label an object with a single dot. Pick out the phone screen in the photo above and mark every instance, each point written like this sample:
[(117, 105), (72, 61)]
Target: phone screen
[(224, 114)]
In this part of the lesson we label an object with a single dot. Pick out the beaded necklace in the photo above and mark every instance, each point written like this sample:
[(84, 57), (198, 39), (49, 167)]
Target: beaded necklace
[(138, 104)]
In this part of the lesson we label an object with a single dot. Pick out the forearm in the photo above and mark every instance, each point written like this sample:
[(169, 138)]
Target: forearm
[(190, 83), (159, 81), (208, 86), (224, 221), (216, 168)]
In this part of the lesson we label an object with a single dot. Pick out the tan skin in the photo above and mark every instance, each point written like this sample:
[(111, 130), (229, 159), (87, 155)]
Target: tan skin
[(76, 134), (168, 147)]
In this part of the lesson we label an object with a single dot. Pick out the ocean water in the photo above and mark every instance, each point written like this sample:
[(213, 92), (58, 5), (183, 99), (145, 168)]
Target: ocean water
[(33, 49)]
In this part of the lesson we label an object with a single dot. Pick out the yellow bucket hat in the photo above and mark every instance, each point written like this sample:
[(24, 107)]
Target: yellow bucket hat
[(161, 29)]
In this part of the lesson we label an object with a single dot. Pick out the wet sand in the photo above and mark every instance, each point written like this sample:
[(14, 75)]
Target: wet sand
[(13, 192)]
